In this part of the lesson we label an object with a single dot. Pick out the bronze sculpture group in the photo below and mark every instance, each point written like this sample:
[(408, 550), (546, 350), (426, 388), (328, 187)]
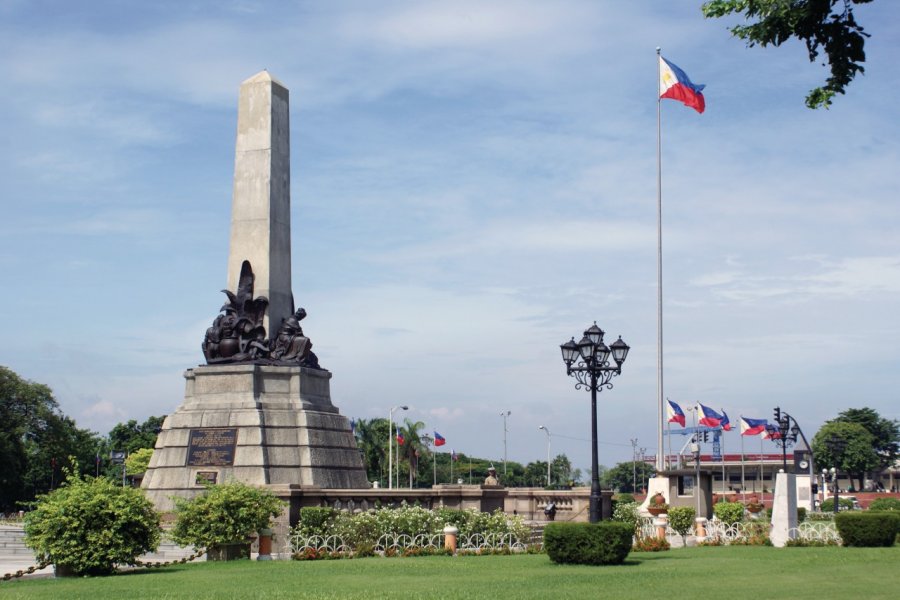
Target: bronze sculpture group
[(238, 336)]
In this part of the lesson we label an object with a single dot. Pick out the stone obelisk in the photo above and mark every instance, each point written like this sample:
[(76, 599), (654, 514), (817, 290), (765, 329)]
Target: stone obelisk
[(251, 414), (261, 205)]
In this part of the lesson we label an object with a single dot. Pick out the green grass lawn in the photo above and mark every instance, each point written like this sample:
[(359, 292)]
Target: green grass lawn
[(726, 572)]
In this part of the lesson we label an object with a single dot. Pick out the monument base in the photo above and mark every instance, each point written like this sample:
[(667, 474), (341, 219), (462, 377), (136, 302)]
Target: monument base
[(261, 425)]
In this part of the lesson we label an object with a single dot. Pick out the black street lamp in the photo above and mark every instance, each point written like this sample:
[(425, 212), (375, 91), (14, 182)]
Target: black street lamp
[(783, 433), (588, 362), (836, 446)]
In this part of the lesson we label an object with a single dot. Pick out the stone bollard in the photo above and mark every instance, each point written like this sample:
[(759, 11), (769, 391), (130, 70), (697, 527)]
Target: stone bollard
[(450, 533), (265, 544), (661, 522), (700, 529)]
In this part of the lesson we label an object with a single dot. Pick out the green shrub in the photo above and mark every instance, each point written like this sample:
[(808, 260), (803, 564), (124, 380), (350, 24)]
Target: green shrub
[(729, 512), (627, 512), (868, 529), (224, 514), (681, 519), (828, 505), (624, 497), (801, 514), (316, 520), (89, 525), (885, 504), (605, 543)]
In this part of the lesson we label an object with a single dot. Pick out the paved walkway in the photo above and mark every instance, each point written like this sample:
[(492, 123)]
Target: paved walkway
[(15, 556)]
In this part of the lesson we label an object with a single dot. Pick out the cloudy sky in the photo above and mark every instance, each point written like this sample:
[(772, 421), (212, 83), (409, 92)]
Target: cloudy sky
[(473, 184)]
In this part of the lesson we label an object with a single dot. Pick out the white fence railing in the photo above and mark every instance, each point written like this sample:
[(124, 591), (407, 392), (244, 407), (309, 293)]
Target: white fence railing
[(400, 542)]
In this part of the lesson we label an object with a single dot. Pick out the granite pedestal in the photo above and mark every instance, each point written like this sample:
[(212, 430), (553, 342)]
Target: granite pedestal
[(261, 425)]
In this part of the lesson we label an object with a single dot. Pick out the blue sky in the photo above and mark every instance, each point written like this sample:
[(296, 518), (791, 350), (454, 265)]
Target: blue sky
[(472, 184)]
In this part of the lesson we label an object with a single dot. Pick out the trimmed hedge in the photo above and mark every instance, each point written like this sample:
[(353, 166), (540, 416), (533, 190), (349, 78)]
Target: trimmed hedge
[(885, 504), (868, 529), (605, 543)]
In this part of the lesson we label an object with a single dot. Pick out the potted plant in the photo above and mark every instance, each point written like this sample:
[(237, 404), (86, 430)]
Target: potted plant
[(754, 505), (224, 519), (657, 505)]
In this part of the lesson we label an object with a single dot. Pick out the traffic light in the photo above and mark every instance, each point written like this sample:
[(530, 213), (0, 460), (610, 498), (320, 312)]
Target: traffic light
[(778, 414), (706, 436)]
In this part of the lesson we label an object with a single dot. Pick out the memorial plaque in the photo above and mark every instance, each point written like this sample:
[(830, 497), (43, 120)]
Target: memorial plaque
[(212, 447), (206, 477)]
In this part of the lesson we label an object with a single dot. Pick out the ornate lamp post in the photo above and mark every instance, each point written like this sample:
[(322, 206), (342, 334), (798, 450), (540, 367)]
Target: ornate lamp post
[(836, 446), (588, 362), (783, 433)]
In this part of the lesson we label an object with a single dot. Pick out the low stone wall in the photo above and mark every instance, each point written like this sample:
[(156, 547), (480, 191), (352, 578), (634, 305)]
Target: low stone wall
[(529, 503)]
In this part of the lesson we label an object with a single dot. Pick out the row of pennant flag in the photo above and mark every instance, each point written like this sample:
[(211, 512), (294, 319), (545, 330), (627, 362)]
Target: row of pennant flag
[(439, 440), (711, 418)]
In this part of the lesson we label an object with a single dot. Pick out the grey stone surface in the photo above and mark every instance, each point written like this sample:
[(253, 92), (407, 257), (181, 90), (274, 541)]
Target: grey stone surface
[(274, 444), (784, 509), (261, 205)]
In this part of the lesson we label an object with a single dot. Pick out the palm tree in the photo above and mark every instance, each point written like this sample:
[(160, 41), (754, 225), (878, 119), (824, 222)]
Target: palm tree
[(372, 439), (415, 446)]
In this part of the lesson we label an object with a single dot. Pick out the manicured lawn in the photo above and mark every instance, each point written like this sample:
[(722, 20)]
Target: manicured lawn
[(736, 572)]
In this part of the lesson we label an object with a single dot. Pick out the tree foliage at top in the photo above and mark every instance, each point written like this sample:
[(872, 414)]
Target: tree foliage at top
[(858, 457), (132, 436), (37, 441), (886, 432), (826, 26), (623, 476)]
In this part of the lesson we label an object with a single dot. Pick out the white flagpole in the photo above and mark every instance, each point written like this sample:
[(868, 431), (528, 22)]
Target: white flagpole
[(743, 479), (659, 314)]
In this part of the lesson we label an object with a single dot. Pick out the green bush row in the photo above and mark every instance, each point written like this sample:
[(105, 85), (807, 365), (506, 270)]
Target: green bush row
[(604, 543), (366, 528), (869, 528)]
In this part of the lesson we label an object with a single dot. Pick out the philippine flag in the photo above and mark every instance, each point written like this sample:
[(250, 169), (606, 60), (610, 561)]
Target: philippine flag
[(726, 424), (400, 438), (454, 455), (710, 417), (439, 439), (676, 415), (772, 433), (675, 85), (753, 426)]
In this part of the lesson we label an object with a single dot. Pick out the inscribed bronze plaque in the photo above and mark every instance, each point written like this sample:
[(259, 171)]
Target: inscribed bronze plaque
[(212, 447), (206, 477)]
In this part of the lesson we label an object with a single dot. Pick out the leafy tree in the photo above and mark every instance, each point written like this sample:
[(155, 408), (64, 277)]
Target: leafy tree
[(886, 433), (858, 457), (132, 436), (622, 476), (823, 25), (138, 461), (37, 441)]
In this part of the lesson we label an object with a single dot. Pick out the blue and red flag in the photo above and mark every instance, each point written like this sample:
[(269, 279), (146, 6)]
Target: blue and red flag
[(753, 426), (725, 423), (676, 415), (772, 433), (400, 438), (439, 439), (454, 455), (675, 85), (710, 417)]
